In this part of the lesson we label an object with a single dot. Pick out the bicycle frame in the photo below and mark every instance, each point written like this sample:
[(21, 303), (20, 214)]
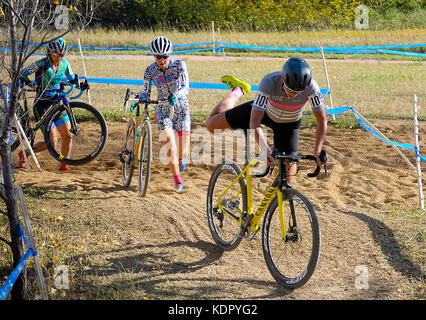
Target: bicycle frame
[(276, 187), (60, 98), (141, 120)]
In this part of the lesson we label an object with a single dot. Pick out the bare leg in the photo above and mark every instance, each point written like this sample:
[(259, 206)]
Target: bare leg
[(217, 119)]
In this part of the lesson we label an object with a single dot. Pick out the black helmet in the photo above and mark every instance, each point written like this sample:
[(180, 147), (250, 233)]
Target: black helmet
[(296, 74)]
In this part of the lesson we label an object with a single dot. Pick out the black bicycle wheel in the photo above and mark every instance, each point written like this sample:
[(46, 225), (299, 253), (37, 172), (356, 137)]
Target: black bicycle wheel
[(127, 154), (292, 260), (145, 159), (225, 229), (89, 140), (24, 120)]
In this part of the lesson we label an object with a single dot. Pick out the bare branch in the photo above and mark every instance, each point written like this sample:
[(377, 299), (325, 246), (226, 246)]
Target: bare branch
[(6, 241)]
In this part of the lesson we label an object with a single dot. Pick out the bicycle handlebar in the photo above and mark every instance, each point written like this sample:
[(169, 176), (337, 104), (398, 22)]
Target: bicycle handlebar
[(61, 91), (136, 94), (296, 158)]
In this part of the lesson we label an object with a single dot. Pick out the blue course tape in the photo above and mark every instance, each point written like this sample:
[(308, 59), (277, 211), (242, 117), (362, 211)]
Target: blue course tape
[(366, 127), (348, 49), (10, 281), (195, 85)]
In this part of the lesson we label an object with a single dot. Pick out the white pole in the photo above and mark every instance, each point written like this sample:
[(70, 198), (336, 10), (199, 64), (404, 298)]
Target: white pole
[(377, 40), (328, 82), (21, 134), (84, 67), (214, 50), (223, 48), (419, 172), (28, 231), (384, 137)]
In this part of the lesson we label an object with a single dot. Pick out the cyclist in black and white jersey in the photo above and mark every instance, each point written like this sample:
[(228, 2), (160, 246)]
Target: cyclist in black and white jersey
[(170, 76), (278, 104)]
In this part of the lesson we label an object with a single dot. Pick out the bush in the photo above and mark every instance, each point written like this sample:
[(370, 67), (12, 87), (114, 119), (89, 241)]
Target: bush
[(281, 15)]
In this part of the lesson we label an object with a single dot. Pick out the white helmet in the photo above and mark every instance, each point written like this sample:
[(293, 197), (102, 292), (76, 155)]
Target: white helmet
[(161, 46)]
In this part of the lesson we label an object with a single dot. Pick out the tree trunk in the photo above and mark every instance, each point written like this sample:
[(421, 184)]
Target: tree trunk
[(19, 288)]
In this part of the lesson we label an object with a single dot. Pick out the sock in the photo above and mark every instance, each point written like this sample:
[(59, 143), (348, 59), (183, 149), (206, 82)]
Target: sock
[(236, 93), (177, 178)]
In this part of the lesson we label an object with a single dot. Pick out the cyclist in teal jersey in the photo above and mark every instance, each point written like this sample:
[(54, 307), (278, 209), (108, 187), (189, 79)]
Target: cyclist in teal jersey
[(49, 73)]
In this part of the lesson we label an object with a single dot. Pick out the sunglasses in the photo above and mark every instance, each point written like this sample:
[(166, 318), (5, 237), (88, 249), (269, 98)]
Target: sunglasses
[(291, 90), (162, 57), (56, 55)]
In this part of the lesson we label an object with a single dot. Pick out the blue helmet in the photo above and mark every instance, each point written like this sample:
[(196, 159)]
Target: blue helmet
[(58, 46)]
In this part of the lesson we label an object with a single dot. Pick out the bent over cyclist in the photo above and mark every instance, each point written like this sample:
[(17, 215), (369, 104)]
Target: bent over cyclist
[(278, 104), (49, 73), (170, 76)]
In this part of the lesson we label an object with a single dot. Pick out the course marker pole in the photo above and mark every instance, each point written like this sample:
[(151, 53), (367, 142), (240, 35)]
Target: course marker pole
[(31, 242), (328, 82), (84, 67), (21, 134), (419, 172), (214, 50), (220, 37)]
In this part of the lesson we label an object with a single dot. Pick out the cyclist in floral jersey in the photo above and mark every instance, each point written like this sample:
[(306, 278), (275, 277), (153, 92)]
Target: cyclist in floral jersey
[(170, 76), (49, 73)]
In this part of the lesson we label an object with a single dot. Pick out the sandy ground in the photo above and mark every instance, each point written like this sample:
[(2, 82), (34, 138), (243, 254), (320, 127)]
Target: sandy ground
[(166, 250)]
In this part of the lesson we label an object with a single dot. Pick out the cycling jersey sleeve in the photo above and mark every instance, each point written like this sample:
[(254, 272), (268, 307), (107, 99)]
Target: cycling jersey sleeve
[(315, 97), (32, 68), (183, 88), (147, 86), (260, 101), (68, 72)]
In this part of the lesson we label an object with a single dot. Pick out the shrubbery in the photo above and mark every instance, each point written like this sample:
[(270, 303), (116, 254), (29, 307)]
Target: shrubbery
[(243, 14)]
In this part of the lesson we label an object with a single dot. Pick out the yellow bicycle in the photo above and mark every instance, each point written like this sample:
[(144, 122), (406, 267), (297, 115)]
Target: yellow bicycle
[(137, 145), (291, 233)]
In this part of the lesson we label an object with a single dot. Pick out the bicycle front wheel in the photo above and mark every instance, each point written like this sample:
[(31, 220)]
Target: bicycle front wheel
[(87, 143), (127, 154), (145, 158), (225, 209), (292, 258)]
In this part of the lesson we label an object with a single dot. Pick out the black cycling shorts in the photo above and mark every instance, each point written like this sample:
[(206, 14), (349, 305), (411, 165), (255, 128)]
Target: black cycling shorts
[(286, 135)]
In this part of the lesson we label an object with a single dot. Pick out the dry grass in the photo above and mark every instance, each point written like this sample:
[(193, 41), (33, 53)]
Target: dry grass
[(375, 90), (113, 37)]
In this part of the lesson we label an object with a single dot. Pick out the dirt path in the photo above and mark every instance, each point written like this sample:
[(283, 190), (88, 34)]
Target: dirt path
[(160, 246)]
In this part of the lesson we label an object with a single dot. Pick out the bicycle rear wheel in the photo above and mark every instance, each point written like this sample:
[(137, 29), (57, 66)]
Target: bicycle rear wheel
[(127, 154), (145, 160), (225, 229), (292, 260), (87, 143)]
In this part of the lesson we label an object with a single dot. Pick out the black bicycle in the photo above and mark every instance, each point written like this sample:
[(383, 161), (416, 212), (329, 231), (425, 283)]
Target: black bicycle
[(89, 130)]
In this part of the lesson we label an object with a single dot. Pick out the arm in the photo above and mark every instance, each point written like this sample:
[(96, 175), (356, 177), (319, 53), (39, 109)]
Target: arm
[(320, 133), (183, 89), (255, 121), (147, 84), (69, 74), (32, 68)]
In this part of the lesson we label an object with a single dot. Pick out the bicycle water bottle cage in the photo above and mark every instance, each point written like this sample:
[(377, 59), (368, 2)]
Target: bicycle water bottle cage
[(132, 106)]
